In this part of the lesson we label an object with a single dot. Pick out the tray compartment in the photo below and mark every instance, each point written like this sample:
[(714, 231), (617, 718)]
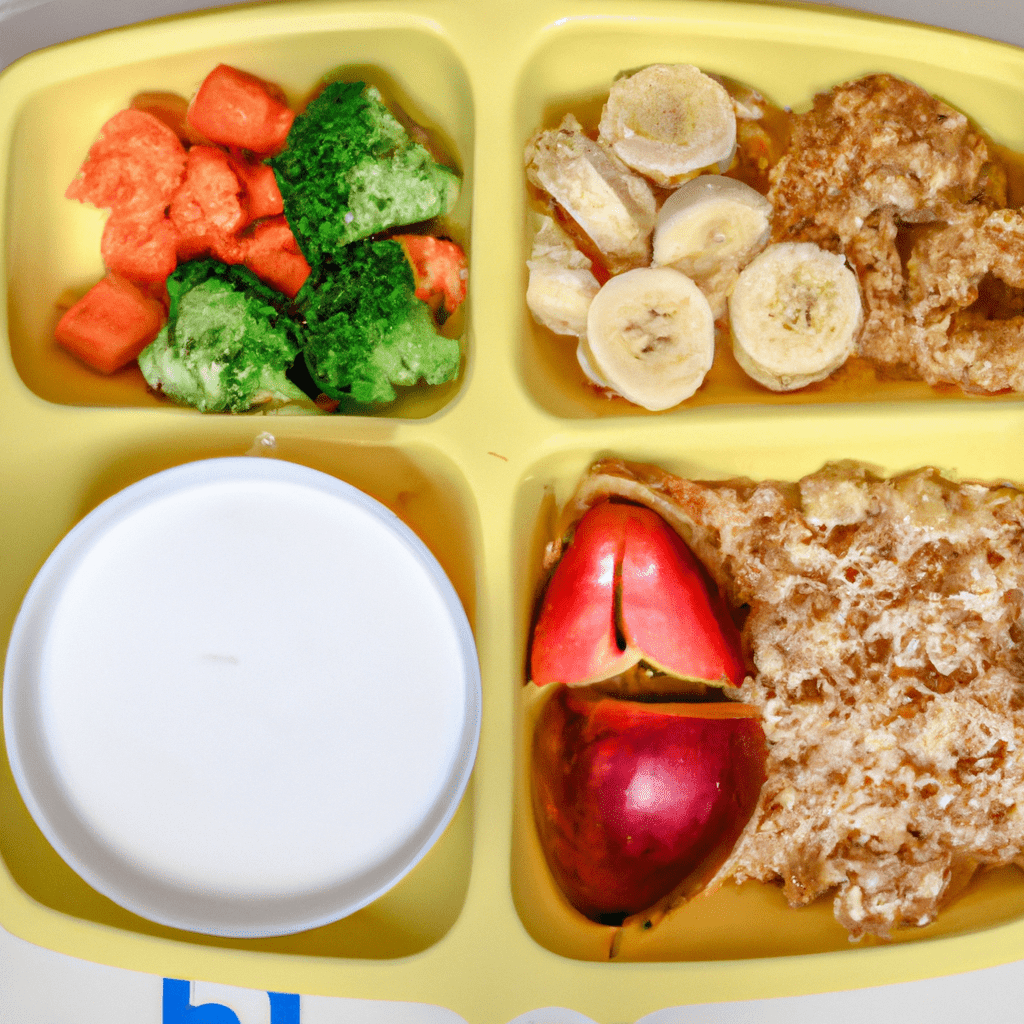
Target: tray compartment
[(751, 921), (52, 243), (571, 70), (425, 490)]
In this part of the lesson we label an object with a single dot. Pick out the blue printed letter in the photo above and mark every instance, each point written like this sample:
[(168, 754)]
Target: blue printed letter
[(179, 1010), (284, 1008)]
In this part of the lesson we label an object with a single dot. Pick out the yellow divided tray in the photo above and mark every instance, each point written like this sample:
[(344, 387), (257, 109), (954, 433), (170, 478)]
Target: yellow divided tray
[(475, 468)]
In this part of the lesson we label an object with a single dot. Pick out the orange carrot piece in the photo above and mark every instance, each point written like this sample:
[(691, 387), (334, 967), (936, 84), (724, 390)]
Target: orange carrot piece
[(439, 268), (207, 209), (209, 199), (143, 249), (273, 255), (134, 166), (237, 109), (110, 325), (262, 196)]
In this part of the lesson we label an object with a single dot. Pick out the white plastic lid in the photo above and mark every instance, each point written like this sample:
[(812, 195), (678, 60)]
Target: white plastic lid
[(241, 698)]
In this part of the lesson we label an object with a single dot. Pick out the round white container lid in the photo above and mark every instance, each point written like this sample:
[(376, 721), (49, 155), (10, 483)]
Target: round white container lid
[(241, 698)]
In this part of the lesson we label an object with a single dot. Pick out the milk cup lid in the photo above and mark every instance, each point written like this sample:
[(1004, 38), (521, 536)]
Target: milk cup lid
[(241, 698)]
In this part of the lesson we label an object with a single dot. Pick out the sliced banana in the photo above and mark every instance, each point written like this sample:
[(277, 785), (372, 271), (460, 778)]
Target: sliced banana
[(669, 121), (795, 314), (614, 206), (651, 336), (553, 246), (711, 222), (562, 284), (588, 367)]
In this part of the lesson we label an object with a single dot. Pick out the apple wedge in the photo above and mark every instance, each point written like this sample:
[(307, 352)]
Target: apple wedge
[(628, 590), (637, 800)]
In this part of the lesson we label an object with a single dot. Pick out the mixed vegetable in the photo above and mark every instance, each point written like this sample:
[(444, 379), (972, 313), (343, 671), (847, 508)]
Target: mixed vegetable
[(250, 251)]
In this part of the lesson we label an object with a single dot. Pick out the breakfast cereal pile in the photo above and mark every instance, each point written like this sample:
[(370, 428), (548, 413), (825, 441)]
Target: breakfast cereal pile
[(902, 185)]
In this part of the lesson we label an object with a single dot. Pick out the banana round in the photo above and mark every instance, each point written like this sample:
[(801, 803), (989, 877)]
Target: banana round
[(651, 336), (559, 297), (711, 222), (669, 121), (795, 315), (587, 367), (561, 284)]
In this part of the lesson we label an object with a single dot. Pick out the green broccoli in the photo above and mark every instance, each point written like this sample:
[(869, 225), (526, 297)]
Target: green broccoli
[(365, 330), (227, 343), (350, 170)]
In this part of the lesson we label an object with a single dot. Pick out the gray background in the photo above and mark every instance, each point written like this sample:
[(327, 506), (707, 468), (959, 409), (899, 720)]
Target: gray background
[(27, 25)]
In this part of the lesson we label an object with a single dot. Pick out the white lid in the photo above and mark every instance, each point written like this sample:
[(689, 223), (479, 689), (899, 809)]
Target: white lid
[(241, 698)]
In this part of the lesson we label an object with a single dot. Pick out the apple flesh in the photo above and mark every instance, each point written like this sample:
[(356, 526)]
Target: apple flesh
[(632, 799), (626, 590)]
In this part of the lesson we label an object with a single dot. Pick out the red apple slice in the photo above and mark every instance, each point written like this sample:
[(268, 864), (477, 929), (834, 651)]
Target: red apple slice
[(672, 617), (575, 637), (634, 800), (626, 590)]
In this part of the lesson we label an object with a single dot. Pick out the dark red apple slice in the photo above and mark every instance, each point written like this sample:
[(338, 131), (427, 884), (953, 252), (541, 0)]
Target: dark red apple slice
[(626, 590), (632, 799)]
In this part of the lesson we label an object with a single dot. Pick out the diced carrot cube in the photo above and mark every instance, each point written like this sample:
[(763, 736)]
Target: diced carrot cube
[(142, 249), (438, 267), (209, 199), (110, 325), (207, 209), (262, 195), (273, 255), (133, 167), (237, 109)]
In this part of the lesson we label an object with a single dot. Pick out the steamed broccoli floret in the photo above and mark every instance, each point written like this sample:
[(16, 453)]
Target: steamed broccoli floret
[(366, 330), (350, 170), (227, 342)]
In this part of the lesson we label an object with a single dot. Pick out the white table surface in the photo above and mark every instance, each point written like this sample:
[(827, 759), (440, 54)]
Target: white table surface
[(38, 986)]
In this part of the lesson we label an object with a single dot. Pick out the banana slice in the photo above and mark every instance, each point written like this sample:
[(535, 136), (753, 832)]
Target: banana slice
[(588, 367), (562, 284), (614, 206), (795, 314), (651, 336), (711, 222), (669, 121)]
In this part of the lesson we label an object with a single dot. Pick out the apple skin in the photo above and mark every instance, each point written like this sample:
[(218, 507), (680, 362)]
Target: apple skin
[(631, 798), (628, 589)]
